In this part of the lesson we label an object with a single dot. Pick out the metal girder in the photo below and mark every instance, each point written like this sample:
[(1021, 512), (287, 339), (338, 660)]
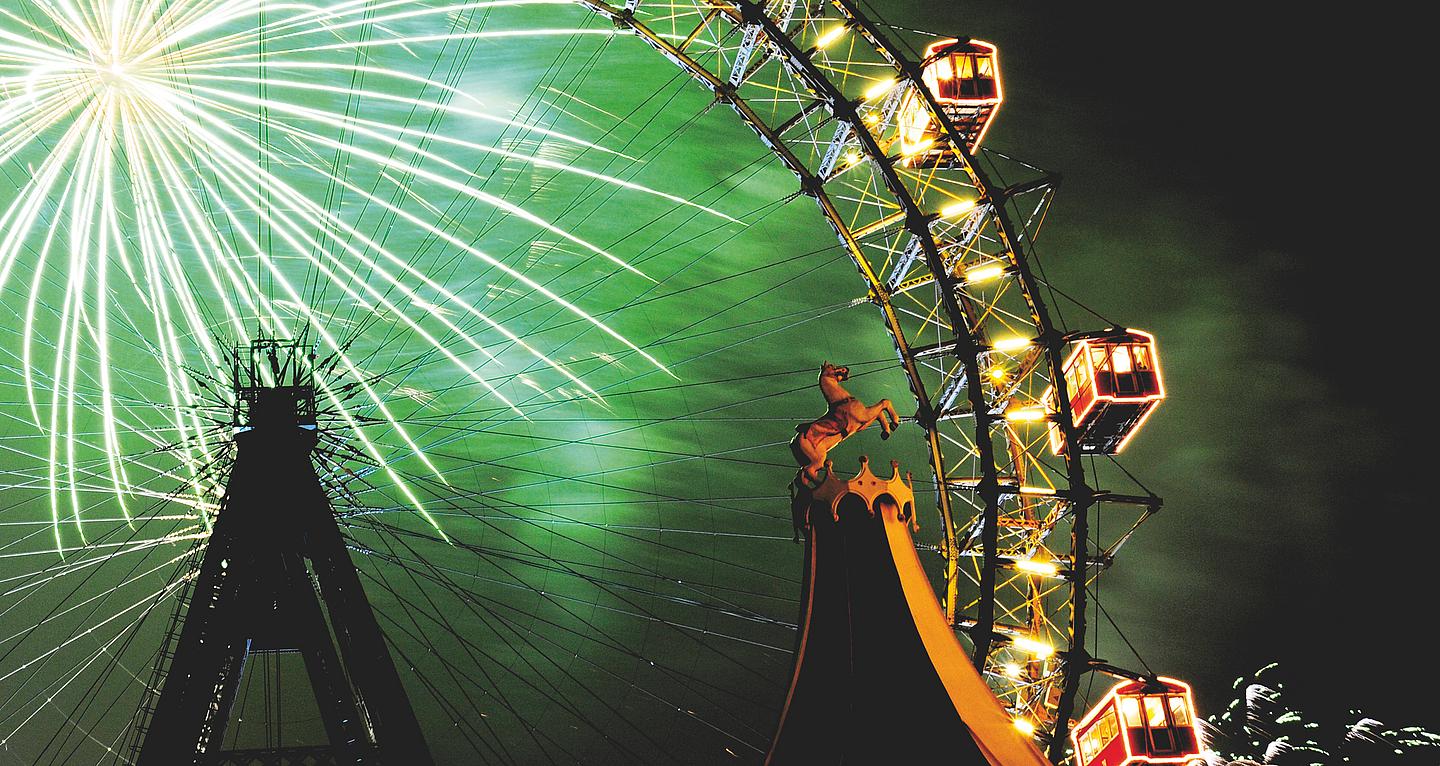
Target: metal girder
[(891, 210), (274, 554)]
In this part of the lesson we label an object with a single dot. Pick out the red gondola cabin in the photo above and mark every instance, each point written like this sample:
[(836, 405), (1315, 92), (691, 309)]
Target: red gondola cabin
[(1114, 384), (964, 78), (1141, 722)]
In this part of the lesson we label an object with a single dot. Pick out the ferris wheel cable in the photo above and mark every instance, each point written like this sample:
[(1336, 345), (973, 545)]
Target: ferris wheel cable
[(577, 293), (490, 426), (639, 300), (363, 127), (592, 441), (558, 564), (410, 367), (557, 697), (130, 576), (134, 531), (74, 565), (486, 419), (466, 205), (638, 572), (592, 634), (452, 77), (614, 594), (809, 314), (548, 565), (605, 472), (38, 663), (594, 188), (472, 736), (710, 590), (697, 357), (528, 619), (718, 184), (332, 201), (547, 678), (486, 424), (452, 670), (419, 360), (62, 682), (363, 510), (1070, 298), (633, 538), (92, 694), (577, 81), (1122, 636), (494, 743), (1132, 477), (534, 732), (548, 478), (727, 608)]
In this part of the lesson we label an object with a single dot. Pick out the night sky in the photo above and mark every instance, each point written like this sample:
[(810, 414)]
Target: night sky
[(1237, 172), (1236, 181)]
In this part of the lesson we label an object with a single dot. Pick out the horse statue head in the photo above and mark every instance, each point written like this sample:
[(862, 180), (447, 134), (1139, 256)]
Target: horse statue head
[(839, 373)]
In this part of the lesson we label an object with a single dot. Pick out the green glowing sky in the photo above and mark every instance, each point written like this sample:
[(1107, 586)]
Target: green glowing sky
[(585, 527)]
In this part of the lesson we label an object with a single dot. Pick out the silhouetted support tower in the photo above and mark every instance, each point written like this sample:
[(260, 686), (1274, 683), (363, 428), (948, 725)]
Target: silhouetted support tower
[(879, 675), (274, 555)]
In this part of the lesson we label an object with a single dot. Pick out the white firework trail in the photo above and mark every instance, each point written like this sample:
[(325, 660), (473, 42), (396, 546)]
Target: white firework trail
[(160, 153), (1261, 727)]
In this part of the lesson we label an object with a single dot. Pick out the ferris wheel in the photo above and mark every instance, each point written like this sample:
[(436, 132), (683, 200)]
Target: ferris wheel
[(882, 127), (887, 142)]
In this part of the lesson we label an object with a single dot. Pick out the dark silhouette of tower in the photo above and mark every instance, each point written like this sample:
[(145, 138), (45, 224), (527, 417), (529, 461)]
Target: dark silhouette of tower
[(275, 555)]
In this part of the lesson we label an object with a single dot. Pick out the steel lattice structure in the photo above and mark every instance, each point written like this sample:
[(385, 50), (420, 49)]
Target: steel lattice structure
[(943, 255)]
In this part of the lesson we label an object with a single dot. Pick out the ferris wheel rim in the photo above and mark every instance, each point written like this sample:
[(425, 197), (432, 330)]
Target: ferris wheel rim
[(752, 15)]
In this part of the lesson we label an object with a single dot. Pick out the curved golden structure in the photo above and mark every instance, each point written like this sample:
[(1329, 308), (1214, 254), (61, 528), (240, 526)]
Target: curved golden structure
[(876, 662)]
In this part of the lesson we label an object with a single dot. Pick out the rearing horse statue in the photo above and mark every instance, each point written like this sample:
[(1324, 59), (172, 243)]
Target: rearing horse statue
[(846, 415)]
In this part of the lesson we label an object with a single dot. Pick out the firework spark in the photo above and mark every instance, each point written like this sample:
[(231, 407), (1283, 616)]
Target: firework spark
[(168, 161), (1261, 727)]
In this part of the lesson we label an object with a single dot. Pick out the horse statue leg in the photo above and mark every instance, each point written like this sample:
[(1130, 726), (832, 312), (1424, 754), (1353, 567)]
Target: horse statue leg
[(891, 415), (882, 411), (810, 457)]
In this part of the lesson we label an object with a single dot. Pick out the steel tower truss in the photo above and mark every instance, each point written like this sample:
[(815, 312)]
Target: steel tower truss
[(943, 255), (274, 556)]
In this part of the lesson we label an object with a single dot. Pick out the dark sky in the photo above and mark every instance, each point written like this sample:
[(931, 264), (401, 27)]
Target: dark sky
[(1260, 159), (1241, 181)]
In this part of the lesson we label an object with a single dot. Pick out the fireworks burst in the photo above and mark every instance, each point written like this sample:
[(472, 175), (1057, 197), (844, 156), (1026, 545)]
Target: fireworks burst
[(1260, 728), (191, 170)]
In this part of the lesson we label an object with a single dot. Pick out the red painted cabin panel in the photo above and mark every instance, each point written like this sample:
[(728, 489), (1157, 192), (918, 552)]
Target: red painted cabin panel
[(1141, 723), (964, 79), (1114, 385)]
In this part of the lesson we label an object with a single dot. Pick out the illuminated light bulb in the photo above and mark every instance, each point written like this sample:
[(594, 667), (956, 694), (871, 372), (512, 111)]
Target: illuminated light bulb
[(1040, 649), (983, 272), (830, 37), (1037, 491), (959, 208), (1037, 567), (879, 89), (1010, 669), (852, 158), (1024, 726), (1010, 344), (1026, 414), (871, 118), (997, 373), (920, 147)]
